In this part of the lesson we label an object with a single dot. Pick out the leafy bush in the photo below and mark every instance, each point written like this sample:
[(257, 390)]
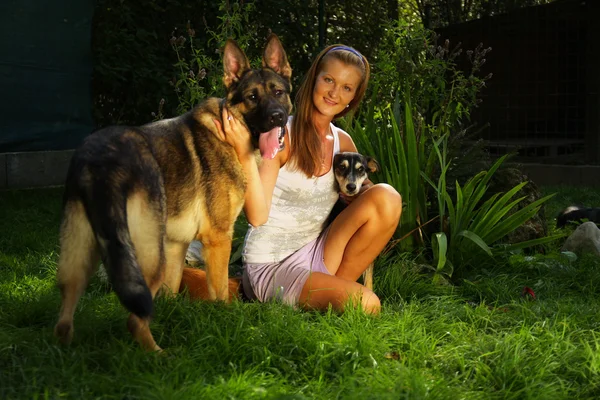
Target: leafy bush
[(198, 74), (471, 225), (402, 153), (412, 66), (418, 95), (410, 62), (132, 57), (474, 225)]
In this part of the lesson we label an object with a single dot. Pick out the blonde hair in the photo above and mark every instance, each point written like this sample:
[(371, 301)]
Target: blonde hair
[(305, 149)]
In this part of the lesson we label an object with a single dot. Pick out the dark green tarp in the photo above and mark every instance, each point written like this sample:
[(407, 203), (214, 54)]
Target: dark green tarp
[(45, 72)]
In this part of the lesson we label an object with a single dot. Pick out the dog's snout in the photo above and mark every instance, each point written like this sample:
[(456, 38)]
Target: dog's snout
[(276, 118), (351, 187)]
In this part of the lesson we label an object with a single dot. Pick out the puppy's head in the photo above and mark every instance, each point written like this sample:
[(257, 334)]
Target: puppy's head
[(351, 169)]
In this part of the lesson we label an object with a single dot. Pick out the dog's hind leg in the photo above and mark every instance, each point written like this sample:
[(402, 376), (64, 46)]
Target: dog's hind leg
[(216, 251), (162, 270), (175, 253), (78, 260), (146, 224), (140, 327)]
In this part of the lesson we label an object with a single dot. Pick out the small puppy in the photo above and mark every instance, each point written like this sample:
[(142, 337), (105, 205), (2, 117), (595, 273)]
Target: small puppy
[(577, 214), (350, 169)]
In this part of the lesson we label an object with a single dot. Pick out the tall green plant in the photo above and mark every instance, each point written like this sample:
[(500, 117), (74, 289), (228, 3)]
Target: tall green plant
[(391, 136), (476, 227)]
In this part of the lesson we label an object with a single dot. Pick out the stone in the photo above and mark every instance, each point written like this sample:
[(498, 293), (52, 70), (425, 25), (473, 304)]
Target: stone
[(584, 239)]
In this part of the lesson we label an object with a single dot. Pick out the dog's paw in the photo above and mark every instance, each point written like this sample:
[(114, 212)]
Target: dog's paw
[(64, 332)]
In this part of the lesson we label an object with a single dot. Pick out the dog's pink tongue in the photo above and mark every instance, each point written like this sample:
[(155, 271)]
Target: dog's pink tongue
[(268, 143)]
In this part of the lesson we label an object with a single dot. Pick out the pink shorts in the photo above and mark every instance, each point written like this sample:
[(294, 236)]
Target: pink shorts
[(284, 280)]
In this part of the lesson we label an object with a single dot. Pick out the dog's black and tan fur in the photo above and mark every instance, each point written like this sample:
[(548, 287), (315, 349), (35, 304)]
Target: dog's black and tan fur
[(351, 169), (135, 197), (577, 214)]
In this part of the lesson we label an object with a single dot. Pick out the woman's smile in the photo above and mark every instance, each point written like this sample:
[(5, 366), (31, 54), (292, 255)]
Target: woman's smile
[(335, 87)]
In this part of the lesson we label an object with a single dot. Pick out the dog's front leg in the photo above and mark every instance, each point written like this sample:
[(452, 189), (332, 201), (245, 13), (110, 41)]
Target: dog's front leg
[(216, 251)]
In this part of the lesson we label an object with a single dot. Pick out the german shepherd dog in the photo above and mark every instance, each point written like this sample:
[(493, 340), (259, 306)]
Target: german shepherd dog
[(135, 197)]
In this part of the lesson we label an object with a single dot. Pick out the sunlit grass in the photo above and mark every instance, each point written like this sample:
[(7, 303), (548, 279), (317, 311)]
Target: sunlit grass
[(478, 339)]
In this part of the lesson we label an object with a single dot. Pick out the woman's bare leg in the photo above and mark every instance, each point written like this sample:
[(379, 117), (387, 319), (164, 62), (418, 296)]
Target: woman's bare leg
[(321, 290), (361, 231)]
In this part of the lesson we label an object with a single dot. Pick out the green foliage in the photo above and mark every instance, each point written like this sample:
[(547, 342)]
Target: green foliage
[(403, 155), (432, 102), (439, 13), (132, 57), (471, 225), (412, 68), (411, 62), (475, 225), (199, 75)]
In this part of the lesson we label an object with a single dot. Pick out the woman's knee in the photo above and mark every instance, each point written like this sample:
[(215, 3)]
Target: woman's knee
[(370, 302), (388, 202)]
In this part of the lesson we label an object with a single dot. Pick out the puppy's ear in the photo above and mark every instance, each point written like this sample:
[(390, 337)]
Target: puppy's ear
[(274, 57), (372, 164), (336, 159), (235, 63)]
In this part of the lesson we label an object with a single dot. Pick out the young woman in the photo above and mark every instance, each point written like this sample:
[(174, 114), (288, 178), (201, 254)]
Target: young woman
[(288, 254)]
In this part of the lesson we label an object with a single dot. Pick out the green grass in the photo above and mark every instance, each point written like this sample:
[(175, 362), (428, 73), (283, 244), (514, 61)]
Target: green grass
[(476, 340)]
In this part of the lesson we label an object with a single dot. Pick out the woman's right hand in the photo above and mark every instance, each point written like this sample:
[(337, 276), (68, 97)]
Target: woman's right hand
[(235, 133)]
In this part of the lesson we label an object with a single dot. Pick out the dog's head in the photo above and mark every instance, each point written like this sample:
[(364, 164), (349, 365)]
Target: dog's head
[(260, 96), (351, 169)]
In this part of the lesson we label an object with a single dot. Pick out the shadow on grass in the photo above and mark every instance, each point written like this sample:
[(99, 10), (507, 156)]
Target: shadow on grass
[(478, 339)]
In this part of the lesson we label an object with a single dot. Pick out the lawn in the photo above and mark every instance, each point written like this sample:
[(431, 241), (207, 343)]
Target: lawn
[(477, 339)]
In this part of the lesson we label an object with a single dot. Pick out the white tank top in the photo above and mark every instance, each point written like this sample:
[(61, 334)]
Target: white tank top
[(299, 209)]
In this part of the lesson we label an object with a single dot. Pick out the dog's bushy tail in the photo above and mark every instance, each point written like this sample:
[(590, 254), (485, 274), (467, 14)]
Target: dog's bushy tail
[(120, 260), (106, 209), (125, 274)]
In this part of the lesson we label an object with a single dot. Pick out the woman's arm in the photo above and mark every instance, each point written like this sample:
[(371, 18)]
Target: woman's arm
[(260, 181)]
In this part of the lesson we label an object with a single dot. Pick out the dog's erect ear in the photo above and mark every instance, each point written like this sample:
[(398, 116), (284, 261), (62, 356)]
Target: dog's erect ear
[(372, 164), (275, 58), (235, 63)]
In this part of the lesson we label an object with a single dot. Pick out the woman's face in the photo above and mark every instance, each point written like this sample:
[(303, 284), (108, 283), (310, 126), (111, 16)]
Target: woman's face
[(335, 87)]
